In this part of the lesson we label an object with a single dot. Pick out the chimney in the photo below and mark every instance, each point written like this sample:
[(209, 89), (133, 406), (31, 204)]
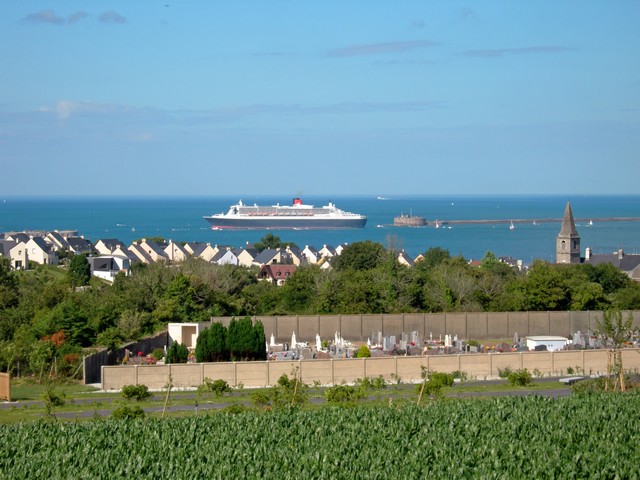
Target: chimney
[(587, 253), (620, 254)]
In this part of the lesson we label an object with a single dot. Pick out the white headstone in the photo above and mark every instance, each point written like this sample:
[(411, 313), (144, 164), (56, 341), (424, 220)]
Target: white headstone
[(293, 341)]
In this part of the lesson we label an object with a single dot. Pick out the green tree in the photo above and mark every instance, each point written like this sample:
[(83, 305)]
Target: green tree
[(79, 272), (9, 295), (241, 339), (543, 288), (434, 256), (614, 331), (271, 241), (260, 344), (177, 353), (365, 255), (299, 292)]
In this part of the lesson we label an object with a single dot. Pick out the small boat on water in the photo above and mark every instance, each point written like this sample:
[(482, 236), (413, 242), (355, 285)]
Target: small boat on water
[(512, 226)]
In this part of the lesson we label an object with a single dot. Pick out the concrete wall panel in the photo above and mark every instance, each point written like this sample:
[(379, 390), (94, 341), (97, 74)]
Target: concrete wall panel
[(392, 325), (631, 360), (351, 326), (444, 363), (518, 322), (308, 328), (477, 326), (376, 367), (348, 370), (560, 324), (539, 322), (475, 366), (563, 361), (456, 324), (154, 376), (277, 369), (329, 325), (409, 368), (286, 327), (498, 325), (114, 378), (414, 322), (502, 361), (253, 374), (316, 371), (220, 371), (434, 325), (595, 362), (537, 360), (270, 326), (371, 325), (185, 375), (579, 321)]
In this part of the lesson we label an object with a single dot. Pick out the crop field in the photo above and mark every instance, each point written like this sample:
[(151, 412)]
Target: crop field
[(587, 436)]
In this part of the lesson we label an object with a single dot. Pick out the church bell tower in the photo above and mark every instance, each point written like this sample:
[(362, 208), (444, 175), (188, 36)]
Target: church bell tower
[(568, 240)]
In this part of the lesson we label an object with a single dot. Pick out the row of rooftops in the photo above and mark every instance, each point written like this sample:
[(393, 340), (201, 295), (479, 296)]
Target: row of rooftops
[(148, 251)]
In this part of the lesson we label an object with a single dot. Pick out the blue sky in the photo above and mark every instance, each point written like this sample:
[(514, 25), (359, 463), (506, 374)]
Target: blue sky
[(319, 97)]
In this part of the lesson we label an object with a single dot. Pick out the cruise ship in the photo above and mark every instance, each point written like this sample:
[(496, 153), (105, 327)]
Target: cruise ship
[(295, 216)]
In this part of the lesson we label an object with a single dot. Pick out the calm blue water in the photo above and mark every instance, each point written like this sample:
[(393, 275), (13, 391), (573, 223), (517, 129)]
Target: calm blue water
[(180, 219)]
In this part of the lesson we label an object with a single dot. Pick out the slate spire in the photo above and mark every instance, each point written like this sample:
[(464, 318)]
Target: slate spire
[(568, 240)]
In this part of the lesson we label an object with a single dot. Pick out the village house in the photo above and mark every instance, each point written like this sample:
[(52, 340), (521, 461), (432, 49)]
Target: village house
[(18, 256), (152, 252), (270, 256), (404, 259), (175, 252), (79, 246), (204, 251), (136, 250), (106, 246), (311, 254), (327, 251), (57, 241), (296, 256), (225, 257), (108, 266), (246, 256), (629, 264), (276, 273), (40, 252)]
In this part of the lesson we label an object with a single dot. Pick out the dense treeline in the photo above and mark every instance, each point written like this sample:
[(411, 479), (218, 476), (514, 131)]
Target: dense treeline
[(46, 319)]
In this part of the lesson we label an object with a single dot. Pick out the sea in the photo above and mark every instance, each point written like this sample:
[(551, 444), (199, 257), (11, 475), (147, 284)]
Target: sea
[(180, 218)]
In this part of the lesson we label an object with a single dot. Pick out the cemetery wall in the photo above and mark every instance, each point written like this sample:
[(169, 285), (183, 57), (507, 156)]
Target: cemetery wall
[(477, 326), (5, 387), (337, 371), (92, 364)]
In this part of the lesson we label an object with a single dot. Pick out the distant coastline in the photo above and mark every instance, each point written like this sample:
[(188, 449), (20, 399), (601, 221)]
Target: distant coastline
[(476, 224)]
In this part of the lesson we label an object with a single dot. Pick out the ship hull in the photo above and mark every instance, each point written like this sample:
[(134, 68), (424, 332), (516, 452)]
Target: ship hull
[(257, 223)]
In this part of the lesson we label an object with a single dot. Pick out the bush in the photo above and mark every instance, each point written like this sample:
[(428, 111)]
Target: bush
[(520, 377), (343, 394), (126, 412), (137, 392), (363, 352), (595, 385), (158, 353), (260, 398), (367, 383), (433, 386), (216, 387), (504, 372)]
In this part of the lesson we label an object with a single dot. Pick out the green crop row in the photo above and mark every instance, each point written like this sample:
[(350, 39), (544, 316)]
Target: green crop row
[(590, 436)]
